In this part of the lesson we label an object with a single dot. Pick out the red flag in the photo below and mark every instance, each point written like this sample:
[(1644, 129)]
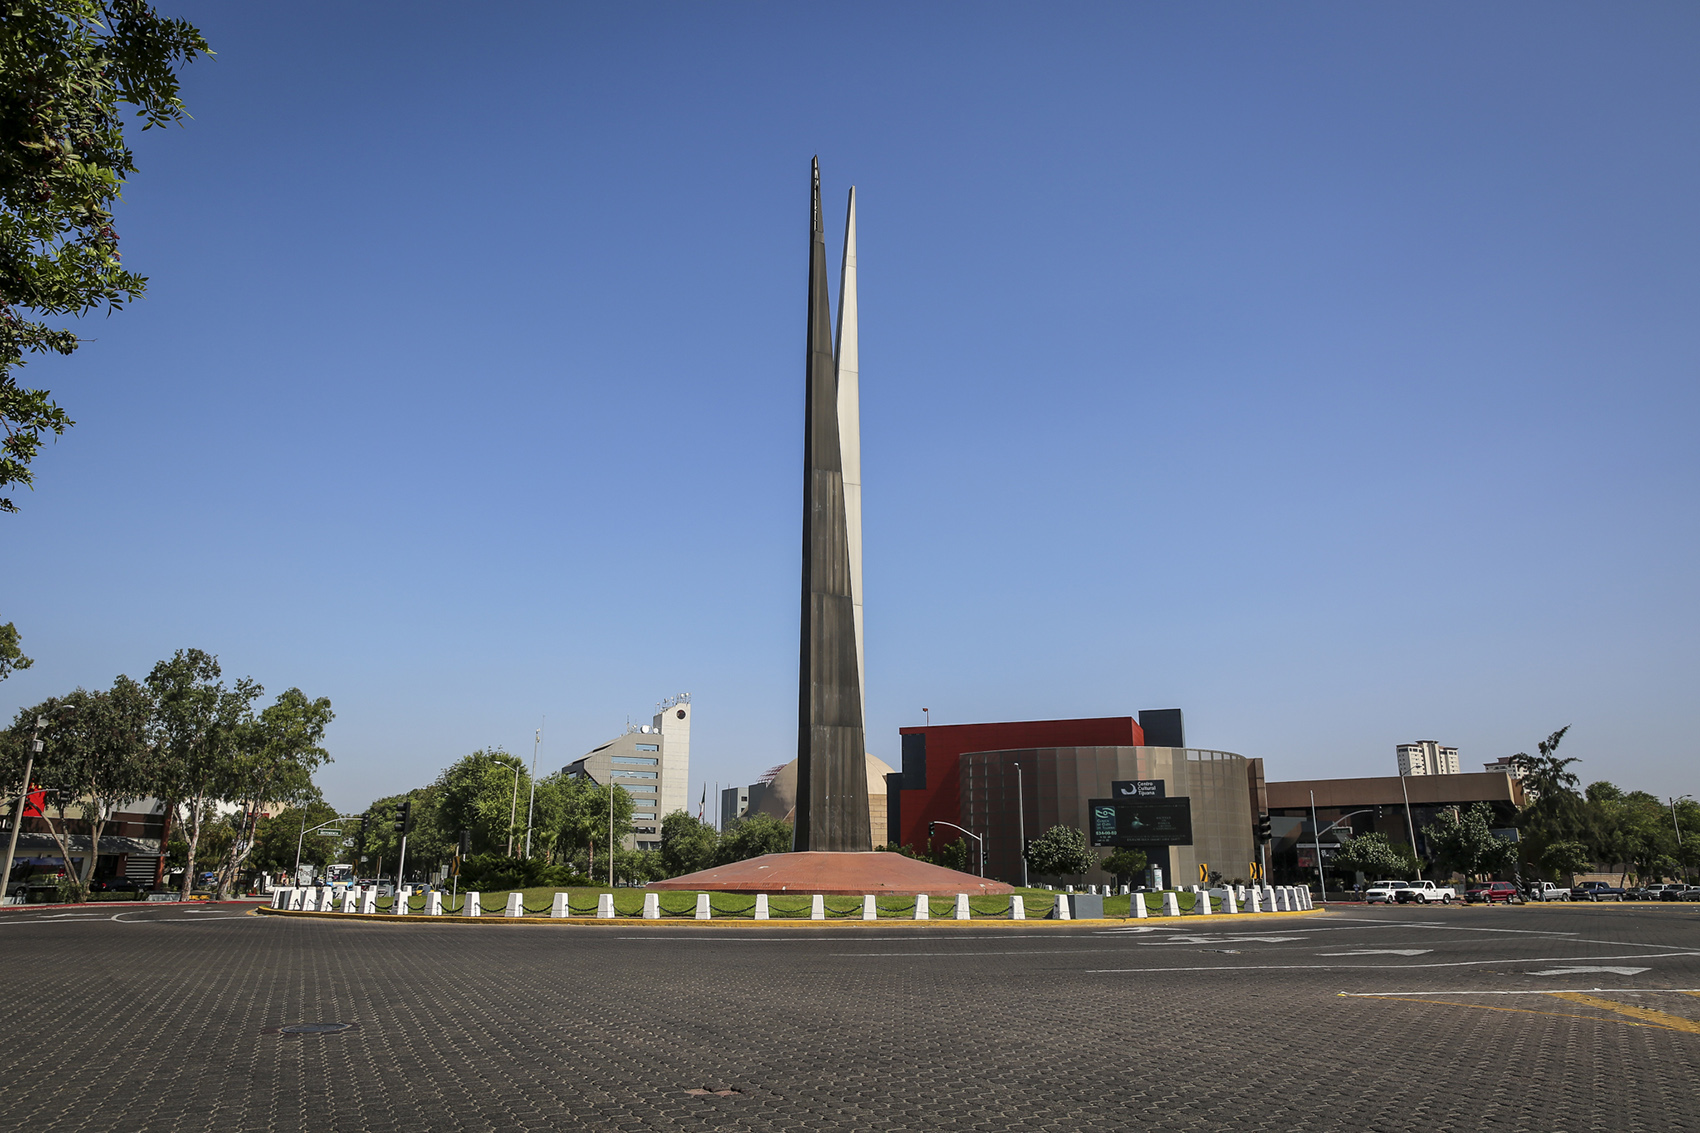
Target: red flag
[(34, 803)]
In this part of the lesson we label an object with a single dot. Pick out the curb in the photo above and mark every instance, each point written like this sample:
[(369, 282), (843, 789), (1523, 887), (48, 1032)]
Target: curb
[(734, 923)]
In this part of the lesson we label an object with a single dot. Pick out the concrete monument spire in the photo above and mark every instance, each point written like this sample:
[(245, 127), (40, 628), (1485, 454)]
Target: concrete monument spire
[(850, 434), (832, 781)]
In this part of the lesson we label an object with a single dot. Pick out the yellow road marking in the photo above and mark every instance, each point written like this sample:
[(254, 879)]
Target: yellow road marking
[(1519, 1011), (1646, 1014)]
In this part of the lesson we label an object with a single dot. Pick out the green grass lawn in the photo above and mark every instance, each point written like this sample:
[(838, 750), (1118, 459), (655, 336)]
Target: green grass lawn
[(629, 903)]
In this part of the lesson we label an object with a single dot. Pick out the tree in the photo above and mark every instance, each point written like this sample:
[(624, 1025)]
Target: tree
[(1565, 859), (1554, 812), (274, 760), (95, 760), (752, 836), (1126, 864), (586, 821), (1466, 842), (1061, 851), (1375, 855), (65, 66), (482, 793), (953, 855), (687, 844), (275, 838), (11, 653), (197, 728)]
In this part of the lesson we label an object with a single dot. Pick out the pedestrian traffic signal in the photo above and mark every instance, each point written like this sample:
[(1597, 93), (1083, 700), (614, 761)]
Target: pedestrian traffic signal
[(404, 815), (1263, 834)]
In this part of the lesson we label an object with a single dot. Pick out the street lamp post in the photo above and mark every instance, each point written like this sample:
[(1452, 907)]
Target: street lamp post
[(979, 842), (1316, 838), (1021, 823), (513, 810), (302, 838), (531, 798), (1410, 826), (24, 797), (1673, 822)]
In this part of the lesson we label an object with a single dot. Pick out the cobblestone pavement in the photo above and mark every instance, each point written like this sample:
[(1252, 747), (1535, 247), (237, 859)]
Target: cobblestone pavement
[(1385, 1019)]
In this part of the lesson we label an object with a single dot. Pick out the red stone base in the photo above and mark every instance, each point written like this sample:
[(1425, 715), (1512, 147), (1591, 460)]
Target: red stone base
[(836, 874)]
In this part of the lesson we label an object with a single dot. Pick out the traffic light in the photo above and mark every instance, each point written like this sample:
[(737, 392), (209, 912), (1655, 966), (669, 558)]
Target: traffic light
[(1263, 834), (365, 827), (466, 843), (404, 815), (930, 827)]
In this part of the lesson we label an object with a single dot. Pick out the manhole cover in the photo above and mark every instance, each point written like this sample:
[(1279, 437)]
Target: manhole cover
[(314, 1028), (726, 1093)]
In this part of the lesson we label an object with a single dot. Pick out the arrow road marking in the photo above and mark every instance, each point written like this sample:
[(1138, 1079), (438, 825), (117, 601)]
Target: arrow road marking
[(1221, 940), (1584, 971), (1389, 952)]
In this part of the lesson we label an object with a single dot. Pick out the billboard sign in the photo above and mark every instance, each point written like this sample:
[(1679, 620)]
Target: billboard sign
[(1151, 822), (1138, 788)]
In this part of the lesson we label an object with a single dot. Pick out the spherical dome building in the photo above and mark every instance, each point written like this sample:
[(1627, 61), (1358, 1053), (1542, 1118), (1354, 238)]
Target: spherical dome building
[(780, 797)]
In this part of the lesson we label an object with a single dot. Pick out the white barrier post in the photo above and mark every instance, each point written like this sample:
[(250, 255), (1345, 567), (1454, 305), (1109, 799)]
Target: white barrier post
[(605, 907), (1309, 903), (704, 913), (1254, 901), (761, 907), (962, 907), (369, 900), (920, 906), (1269, 898), (434, 903), (1137, 907), (280, 898), (472, 906), (870, 910), (1201, 904), (516, 905), (1064, 913), (817, 908), (651, 906), (310, 899), (558, 907), (327, 899), (1229, 905), (1017, 908), (1289, 902), (1171, 903), (351, 899)]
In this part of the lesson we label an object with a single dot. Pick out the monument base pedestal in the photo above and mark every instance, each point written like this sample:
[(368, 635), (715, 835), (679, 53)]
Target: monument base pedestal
[(836, 874)]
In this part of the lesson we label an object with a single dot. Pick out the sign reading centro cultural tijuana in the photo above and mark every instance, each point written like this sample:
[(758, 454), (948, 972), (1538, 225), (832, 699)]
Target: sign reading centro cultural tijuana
[(1149, 822), (1138, 788)]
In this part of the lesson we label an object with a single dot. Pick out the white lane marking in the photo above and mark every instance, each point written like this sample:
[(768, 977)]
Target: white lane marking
[(1371, 967), (1381, 952), (57, 917), (1220, 940), (1581, 971), (1538, 991)]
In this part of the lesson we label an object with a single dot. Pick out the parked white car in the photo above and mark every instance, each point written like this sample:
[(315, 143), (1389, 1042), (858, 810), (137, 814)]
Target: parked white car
[(1547, 891), (1385, 892), (1426, 893)]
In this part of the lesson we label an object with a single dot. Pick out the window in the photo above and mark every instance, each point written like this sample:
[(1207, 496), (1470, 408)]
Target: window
[(637, 775), (650, 817), (647, 747), (637, 760)]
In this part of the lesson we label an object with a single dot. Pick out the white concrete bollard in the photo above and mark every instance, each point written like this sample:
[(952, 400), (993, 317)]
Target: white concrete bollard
[(1127, 890), (870, 908), (1239, 891), (1171, 903), (704, 913), (327, 899), (558, 907), (473, 905), (516, 905), (351, 899), (651, 906), (1309, 902), (1017, 908), (1286, 904), (310, 900), (761, 907), (1229, 905), (1092, 889), (1201, 905), (280, 898), (920, 906), (434, 903), (1268, 898), (369, 900), (605, 907), (817, 908), (404, 901), (962, 907), (1136, 906), (1064, 913), (1254, 901)]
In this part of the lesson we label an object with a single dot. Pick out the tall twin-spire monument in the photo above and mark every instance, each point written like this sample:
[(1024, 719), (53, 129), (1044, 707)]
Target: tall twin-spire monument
[(832, 778)]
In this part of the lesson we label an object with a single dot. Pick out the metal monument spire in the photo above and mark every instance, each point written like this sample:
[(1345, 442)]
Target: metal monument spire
[(850, 433), (832, 780)]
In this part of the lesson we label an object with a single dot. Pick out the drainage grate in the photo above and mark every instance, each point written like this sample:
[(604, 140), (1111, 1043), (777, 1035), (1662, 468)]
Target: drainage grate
[(313, 1029)]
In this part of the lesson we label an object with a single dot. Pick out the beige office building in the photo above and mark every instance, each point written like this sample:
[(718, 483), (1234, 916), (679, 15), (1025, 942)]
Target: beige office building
[(652, 763)]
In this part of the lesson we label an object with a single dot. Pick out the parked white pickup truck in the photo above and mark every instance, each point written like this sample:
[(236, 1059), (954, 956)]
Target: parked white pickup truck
[(1547, 891), (1385, 892), (1426, 893)]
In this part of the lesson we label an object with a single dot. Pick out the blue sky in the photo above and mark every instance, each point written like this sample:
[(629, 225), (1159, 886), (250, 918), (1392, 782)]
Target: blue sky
[(1327, 371)]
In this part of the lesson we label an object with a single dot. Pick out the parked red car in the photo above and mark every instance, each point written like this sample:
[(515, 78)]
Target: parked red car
[(1494, 891)]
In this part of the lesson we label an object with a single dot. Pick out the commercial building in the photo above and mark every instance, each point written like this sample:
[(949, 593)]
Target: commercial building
[(652, 762), (1398, 806), (1426, 757), (1506, 765)]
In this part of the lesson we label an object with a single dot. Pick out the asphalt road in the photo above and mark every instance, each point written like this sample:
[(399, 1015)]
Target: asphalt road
[(1562, 1018)]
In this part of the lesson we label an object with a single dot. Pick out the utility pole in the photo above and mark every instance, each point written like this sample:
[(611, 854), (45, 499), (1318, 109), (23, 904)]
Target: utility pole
[(531, 799), (24, 796), (1316, 848), (610, 830), (1410, 826), (1673, 822)]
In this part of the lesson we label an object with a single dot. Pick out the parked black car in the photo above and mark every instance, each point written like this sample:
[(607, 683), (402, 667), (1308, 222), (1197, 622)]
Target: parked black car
[(116, 885), (1596, 891)]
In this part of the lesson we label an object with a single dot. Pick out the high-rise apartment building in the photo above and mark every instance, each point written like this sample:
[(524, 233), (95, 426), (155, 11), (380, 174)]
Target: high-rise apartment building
[(1426, 757), (1505, 763), (652, 763)]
